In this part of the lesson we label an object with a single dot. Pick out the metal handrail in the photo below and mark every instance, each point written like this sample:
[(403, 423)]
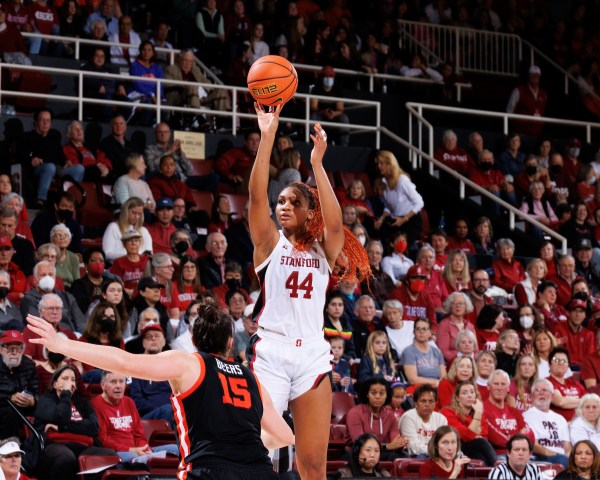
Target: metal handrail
[(418, 154), (465, 182), (159, 106)]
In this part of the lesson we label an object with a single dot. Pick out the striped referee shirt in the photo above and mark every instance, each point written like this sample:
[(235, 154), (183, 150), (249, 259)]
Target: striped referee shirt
[(504, 472)]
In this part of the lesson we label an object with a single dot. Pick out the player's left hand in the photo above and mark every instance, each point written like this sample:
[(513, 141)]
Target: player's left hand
[(47, 335), (319, 145)]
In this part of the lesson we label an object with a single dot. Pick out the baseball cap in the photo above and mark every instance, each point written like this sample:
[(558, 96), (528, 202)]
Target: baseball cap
[(5, 242), (576, 303), (327, 71), (12, 336), (10, 447), (534, 70), (130, 234), (416, 271), (164, 203), (152, 326), (148, 282), (583, 243)]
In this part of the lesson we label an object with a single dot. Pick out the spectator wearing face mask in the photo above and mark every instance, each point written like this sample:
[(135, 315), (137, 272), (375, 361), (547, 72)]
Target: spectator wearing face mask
[(332, 110), (233, 281)]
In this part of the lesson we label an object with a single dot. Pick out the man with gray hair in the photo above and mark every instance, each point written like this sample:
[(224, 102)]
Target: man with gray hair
[(564, 278), (69, 314), (366, 322), (50, 309), (451, 155), (18, 383), (503, 420), (106, 13), (486, 176), (552, 439), (212, 266), (192, 95)]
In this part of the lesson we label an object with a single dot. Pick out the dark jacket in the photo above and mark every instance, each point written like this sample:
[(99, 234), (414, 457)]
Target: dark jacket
[(116, 153), (48, 148), (72, 318), (210, 272), (23, 377), (43, 223), (24, 255), (57, 410), (149, 395)]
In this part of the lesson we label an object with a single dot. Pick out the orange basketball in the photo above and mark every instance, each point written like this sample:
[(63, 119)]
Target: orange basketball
[(272, 80)]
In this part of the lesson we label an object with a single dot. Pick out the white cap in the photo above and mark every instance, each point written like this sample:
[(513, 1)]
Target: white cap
[(248, 310), (10, 447), (534, 70)]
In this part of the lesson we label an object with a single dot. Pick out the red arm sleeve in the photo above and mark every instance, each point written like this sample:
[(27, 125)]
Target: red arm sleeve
[(461, 426)]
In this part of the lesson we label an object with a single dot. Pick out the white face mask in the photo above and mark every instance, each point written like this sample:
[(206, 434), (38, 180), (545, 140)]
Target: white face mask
[(328, 82), (362, 239), (46, 283), (591, 180), (574, 152), (526, 321)]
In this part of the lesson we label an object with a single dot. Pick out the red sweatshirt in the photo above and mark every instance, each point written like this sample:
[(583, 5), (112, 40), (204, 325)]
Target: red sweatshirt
[(120, 425)]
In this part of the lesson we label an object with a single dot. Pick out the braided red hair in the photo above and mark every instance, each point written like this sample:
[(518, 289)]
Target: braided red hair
[(353, 258)]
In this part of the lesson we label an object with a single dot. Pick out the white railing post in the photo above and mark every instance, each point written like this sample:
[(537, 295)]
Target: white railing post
[(80, 96)]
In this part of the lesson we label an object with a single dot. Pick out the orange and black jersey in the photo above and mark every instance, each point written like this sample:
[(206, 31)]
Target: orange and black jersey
[(218, 419)]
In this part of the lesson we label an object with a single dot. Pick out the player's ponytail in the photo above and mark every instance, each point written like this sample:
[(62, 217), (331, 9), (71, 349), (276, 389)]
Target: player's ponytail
[(353, 259), (212, 329)]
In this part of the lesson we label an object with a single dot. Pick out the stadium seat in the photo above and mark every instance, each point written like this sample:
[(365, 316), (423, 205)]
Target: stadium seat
[(341, 403), (164, 467), (313, 183), (158, 432), (89, 462), (32, 82), (334, 465), (409, 468), (477, 472), (337, 441), (91, 209), (202, 167), (204, 200), (237, 202)]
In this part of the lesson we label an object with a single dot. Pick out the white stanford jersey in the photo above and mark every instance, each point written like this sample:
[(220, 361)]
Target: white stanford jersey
[(293, 287)]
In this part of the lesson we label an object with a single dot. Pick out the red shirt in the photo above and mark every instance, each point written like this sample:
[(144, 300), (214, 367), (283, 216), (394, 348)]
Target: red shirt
[(130, 272), (457, 159), (579, 344), (555, 317), (487, 340), (486, 179), (183, 299), (590, 367), (163, 187), (465, 245), (507, 275), (563, 292), (503, 424), (120, 425), (161, 237), (44, 17), (421, 307), (462, 425), (84, 156), (430, 469), (235, 161), (570, 388), (18, 283)]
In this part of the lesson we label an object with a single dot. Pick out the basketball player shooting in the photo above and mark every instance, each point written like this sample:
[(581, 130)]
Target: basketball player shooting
[(292, 359)]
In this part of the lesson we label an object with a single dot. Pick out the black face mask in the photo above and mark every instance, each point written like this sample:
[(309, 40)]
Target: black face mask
[(55, 358), (3, 292), (485, 166), (555, 169), (64, 215), (232, 283), (530, 169), (181, 247), (582, 296), (107, 325)]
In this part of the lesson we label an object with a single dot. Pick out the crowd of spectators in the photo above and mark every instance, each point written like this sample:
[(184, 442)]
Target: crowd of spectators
[(506, 349)]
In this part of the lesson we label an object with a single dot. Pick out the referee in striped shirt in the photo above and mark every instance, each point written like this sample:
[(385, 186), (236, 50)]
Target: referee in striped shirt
[(517, 467)]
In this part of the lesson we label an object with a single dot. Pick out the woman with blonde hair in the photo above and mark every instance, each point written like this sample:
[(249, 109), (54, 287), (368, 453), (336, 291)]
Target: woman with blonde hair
[(462, 369), (483, 237), (544, 342), (378, 361), (403, 202), (519, 393), (131, 217), (586, 425), (456, 272), (526, 290)]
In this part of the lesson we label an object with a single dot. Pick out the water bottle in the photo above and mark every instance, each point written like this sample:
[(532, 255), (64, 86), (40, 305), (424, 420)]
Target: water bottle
[(384, 89), (442, 223), (349, 375)]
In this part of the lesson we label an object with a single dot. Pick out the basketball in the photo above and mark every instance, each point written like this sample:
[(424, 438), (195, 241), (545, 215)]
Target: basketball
[(272, 80)]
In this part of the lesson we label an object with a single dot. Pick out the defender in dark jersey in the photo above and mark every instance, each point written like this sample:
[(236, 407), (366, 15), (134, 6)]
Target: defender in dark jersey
[(224, 420)]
